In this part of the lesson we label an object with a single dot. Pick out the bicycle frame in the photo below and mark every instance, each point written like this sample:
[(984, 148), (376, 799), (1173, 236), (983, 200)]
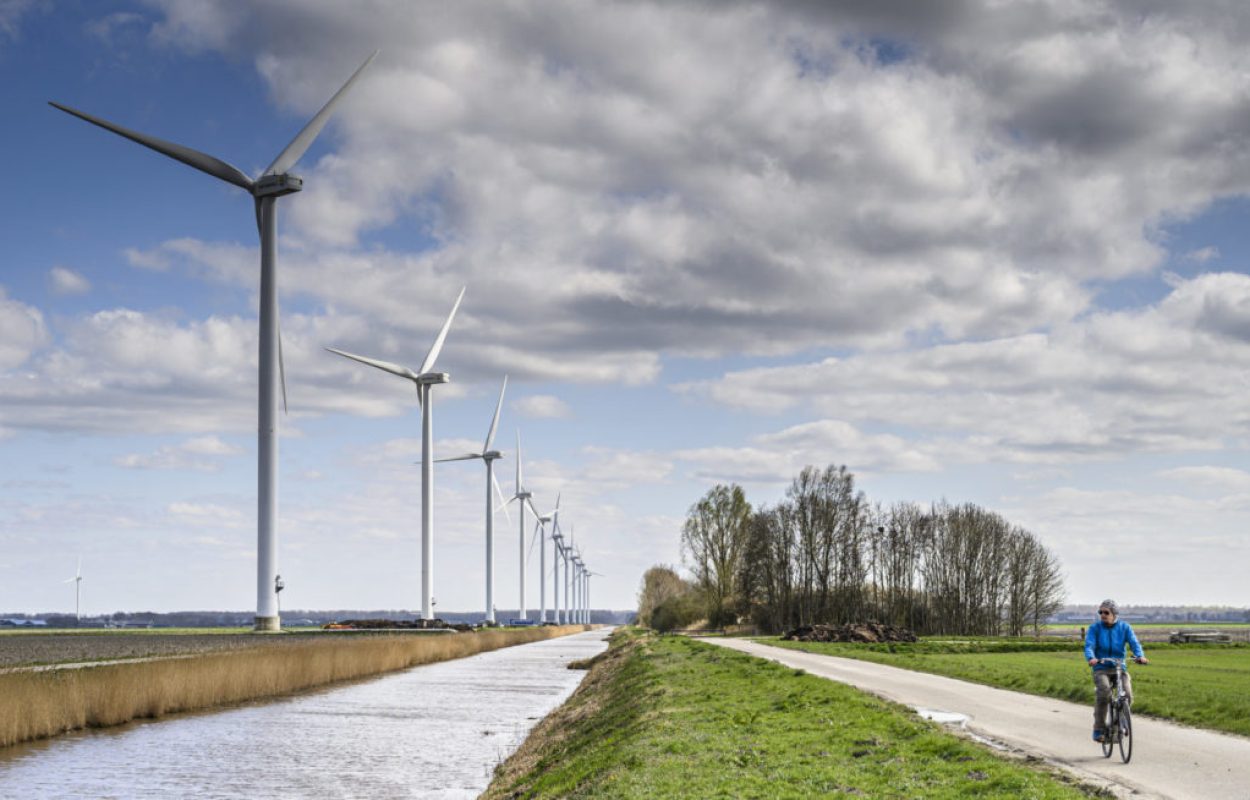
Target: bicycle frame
[(1119, 730)]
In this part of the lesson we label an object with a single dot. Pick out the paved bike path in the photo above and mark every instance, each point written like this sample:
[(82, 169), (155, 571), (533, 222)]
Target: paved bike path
[(1169, 761)]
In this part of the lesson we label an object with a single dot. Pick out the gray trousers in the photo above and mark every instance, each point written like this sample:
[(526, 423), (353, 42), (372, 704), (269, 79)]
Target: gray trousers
[(1104, 690)]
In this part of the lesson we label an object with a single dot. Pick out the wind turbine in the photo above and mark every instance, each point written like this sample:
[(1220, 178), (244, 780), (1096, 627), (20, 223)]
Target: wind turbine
[(489, 456), (540, 531), (77, 581), (588, 576), (423, 379), (568, 578), (558, 551), (273, 183), (580, 583), (523, 497)]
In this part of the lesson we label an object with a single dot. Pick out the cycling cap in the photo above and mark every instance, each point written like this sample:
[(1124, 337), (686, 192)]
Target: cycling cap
[(1110, 606)]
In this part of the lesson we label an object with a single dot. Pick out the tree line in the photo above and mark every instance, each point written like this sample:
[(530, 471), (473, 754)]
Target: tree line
[(824, 554)]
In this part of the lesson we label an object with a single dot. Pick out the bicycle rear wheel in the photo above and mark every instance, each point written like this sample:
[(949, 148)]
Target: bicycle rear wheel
[(1126, 735), (1108, 733)]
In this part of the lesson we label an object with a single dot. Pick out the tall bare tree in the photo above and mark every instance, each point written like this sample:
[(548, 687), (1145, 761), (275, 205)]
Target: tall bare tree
[(714, 537)]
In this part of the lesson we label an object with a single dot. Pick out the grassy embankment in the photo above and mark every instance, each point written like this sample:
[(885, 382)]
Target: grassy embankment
[(38, 704), (673, 717), (1207, 686)]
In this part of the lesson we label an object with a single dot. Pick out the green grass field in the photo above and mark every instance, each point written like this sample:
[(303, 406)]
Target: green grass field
[(1207, 686), (673, 717)]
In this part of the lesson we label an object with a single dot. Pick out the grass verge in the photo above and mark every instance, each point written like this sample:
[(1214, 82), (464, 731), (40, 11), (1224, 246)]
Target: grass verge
[(1207, 686), (38, 704), (671, 717)]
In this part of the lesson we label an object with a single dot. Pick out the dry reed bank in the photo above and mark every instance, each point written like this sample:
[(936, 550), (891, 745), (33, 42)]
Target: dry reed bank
[(35, 705)]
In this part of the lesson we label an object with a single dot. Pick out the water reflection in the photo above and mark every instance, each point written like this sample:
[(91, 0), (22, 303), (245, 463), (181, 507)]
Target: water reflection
[(435, 731)]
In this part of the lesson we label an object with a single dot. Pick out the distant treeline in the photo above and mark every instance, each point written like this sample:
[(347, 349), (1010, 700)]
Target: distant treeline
[(825, 555), (296, 617)]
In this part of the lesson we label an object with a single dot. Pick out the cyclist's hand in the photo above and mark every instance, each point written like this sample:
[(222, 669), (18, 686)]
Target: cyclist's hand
[(1142, 660), (1093, 662)]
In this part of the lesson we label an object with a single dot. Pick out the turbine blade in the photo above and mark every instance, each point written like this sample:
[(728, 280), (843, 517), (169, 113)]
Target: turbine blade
[(533, 539), (259, 231), (192, 158), (518, 461), (494, 423), (533, 510), (287, 158), (385, 366), (499, 494), (432, 356), (465, 457)]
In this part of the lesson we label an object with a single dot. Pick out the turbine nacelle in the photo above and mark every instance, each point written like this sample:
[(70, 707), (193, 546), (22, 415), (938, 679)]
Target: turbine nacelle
[(432, 378), (277, 185)]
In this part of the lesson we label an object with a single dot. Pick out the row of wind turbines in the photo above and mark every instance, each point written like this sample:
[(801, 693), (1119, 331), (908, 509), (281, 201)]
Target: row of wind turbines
[(577, 576), (275, 182)]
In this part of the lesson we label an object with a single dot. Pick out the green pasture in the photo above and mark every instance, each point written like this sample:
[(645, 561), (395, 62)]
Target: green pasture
[(673, 717), (1207, 686)]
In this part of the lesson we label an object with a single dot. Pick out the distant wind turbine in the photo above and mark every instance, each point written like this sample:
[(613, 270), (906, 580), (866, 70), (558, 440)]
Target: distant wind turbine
[(77, 581), (273, 183), (489, 456), (540, 530), (423, 379), (556, 554), (522, 497)]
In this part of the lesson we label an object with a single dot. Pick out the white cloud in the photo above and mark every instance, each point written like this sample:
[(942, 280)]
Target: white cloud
[(542, 406), (66, 281), (1203, 254), (777, 457), (11, 13), (1218, 479), (800, 193), (109, 28), (195, 454), (1169, 377), (21, 332), (614, 470)]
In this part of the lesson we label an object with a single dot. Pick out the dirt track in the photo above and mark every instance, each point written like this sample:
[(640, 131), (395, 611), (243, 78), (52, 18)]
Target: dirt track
[(1169, 761)]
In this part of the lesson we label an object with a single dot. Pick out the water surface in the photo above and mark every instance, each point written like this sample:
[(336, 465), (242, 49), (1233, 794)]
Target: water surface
[(434, 731)]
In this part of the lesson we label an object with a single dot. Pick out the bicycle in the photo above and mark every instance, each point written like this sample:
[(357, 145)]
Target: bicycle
[(1119, 730)]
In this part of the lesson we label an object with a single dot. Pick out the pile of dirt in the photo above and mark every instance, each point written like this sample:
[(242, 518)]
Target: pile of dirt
[(850, 632)]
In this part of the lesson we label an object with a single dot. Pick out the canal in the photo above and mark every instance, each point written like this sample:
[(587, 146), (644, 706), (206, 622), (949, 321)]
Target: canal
[(435, 731)]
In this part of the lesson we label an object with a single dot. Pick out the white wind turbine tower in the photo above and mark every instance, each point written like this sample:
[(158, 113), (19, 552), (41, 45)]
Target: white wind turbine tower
[(273, 183), (489, 457), (540, 531), (588, 576), (559, 551), (569, 584), (523, 497), (579, 578), (423, 379), (77, 581)]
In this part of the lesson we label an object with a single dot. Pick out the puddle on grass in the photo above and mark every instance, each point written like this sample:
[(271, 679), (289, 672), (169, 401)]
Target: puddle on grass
[(433, 731)]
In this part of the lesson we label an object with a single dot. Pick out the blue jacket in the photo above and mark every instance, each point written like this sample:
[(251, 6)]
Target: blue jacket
[(1108, 641)]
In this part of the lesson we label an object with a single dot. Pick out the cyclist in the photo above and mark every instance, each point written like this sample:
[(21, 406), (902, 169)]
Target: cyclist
[(1107, 638)]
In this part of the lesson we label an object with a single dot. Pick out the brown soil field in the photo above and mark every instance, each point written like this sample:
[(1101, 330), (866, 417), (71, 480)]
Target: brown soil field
[(18, 650)]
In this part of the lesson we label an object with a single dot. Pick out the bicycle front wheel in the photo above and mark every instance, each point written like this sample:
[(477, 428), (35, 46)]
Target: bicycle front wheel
[(1126, 735), (1108, 734)]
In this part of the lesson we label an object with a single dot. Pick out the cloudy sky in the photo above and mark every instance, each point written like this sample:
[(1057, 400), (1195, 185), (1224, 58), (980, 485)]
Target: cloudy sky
[(977, 251)]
